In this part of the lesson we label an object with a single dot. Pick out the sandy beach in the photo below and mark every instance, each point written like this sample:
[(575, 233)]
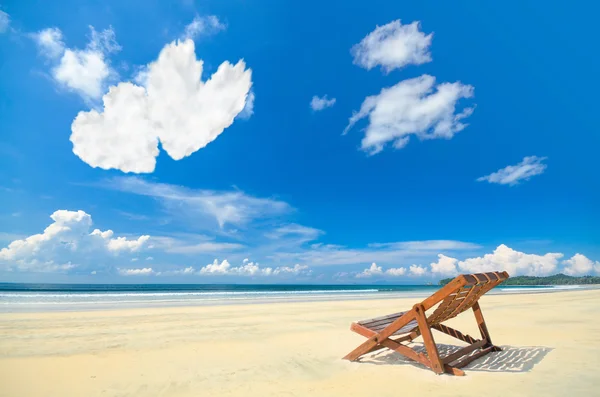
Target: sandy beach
[(552, 348)]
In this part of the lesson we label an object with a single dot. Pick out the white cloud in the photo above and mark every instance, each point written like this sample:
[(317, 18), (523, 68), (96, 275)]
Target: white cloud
[(397, 271), (294, 270), (203, 26), (66, 244), (205, 247), (225, 207), (417, 270), (411, 107), (318, 103), (300, 233), (375, 270), (428, 245), (188, 271), (175, 107), (82, 71), (393, 46), (4, 21), (146, 271), (123, 244), (515, 263), (502, 258), (444, 266), (149, 258), (133, 217), (248, 110), (513, 174), (248, 268), (319, 254), (216, 268), (580, 265), (50, 42), (505, 259)]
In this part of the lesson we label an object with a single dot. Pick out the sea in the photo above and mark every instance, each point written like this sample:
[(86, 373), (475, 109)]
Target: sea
[(75, 297)]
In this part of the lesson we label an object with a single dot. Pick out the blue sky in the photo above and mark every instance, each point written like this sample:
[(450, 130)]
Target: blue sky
[(462, 138)]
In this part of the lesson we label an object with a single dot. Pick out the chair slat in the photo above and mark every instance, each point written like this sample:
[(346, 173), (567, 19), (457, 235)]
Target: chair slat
[(392, 316)]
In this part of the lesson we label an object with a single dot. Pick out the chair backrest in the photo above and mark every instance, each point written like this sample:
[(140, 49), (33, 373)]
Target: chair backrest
[(461, 294)]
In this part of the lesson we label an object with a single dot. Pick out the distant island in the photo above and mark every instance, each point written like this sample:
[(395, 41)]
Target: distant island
[(557, 279)]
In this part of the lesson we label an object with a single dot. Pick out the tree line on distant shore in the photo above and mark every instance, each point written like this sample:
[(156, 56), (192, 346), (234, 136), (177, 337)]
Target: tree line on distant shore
[(557, 279)]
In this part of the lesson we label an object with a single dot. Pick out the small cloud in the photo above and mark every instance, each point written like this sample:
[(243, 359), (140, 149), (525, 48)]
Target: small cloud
[(149, 258), (188, 271), (133, 217), (84, 72), (318, 104), (297, 232), (412, 107), (146, 271), (417, 270), (428, 245), (375, 270), (444, 266), (296, 270), (123, 244), (205, 247), (514, 174), (580, 265), (4, 21), (203, 26), (393, 46), (50, 43), (371, 271), (399, 271), (248, 268)]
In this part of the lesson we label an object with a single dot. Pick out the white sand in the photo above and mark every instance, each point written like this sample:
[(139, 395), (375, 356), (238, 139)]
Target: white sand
[(294, 349)]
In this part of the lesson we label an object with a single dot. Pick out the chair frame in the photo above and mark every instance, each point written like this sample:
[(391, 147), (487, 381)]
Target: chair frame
[(459, 295)]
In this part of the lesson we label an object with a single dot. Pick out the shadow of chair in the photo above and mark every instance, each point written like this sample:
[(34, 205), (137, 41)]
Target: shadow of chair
[(510, 359)]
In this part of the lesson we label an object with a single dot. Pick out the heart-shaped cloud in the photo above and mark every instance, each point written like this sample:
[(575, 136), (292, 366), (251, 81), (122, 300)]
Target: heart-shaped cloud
[(173, 106)]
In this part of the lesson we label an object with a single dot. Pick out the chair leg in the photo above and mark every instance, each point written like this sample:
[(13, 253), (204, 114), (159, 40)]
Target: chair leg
[(432, 352), (364, 348), (485, 334), (454, 371), (377, 339)]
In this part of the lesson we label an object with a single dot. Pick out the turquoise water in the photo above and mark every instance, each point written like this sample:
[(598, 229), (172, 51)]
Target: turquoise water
[(27, 297)]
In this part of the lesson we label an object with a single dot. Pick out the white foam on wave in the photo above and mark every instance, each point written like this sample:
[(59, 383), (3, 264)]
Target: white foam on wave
[(176, 294)]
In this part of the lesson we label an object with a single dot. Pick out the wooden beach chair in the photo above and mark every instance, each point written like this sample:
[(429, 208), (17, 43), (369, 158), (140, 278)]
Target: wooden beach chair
[(457, 296)]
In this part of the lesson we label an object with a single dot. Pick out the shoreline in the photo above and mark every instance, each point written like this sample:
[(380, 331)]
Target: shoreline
[(73, 307)]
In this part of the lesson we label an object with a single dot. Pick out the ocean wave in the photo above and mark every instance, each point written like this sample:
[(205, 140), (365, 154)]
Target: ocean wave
[(175, 294), (161, 301)]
